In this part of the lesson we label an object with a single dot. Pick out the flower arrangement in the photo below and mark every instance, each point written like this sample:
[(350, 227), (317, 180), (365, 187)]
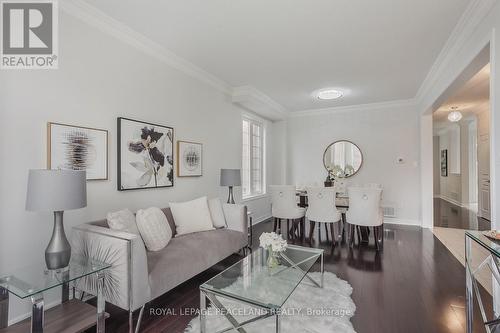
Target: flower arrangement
[(272, 241), (274, 244)]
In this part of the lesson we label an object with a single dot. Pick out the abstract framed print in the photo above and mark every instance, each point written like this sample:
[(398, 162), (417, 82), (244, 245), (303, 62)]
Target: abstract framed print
[(78, 148), (145, 155), (189, 159)]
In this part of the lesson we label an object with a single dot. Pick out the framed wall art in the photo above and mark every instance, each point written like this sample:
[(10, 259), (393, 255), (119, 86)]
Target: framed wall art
[(78, 148), (444, 163), (145, 155), (189, 159)]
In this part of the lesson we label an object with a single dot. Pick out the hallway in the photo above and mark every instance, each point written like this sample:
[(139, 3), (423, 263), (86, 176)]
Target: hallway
[(448, 215)]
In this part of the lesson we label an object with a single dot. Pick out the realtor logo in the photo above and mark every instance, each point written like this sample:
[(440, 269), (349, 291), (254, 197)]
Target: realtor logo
[(29, 34)]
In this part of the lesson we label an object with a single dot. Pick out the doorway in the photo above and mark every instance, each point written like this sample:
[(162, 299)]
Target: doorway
[(461, 155)]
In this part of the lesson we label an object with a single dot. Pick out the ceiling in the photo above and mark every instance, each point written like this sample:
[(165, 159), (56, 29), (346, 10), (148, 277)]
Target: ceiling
[(374, 51), (471, 98)]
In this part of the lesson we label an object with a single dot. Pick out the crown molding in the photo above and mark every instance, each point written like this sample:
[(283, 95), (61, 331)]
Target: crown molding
[(98, 19), (475, 12), (358, 107), (252, 99)]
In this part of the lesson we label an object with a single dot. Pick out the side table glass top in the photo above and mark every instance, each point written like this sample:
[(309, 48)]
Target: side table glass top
[(35, 279), (489, 244), (250, 280)]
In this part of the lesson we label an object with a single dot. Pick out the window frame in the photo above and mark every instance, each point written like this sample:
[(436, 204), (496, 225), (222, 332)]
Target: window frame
[(263, 188)]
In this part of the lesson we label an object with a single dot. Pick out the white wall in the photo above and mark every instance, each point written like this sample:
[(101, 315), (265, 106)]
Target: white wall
[(451, 185), (469, 44), (383, 135), (99, 79)]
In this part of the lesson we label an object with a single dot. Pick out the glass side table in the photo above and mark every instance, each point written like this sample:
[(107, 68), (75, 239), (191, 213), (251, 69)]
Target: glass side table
[(474, 264), (32, 281), (250, 228)]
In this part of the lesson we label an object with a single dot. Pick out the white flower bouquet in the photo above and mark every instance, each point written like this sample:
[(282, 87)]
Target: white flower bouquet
[(272, 241)]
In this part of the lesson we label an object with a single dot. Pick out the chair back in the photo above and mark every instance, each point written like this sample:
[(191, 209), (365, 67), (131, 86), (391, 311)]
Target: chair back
[(364, 206), (283, 200), (322, 207)]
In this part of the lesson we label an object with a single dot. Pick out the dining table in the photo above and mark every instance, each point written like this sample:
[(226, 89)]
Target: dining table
[(342, 204)]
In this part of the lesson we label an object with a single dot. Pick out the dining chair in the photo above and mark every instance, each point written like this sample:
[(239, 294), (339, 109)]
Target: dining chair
[(284, 207), (365, 210), (322, 209)]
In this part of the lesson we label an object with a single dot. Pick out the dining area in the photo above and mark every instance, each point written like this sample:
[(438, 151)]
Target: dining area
[(340, 209)]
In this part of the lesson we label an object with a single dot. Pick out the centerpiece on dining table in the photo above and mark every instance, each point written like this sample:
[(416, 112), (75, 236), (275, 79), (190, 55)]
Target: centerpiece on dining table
[(274, 244)]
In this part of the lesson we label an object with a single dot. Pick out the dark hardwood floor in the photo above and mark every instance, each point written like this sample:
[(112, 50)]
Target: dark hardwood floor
[(448, 215), (414, 285)]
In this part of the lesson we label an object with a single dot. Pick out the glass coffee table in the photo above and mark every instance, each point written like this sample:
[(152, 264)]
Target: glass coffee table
[(251, 282), (32, 281)]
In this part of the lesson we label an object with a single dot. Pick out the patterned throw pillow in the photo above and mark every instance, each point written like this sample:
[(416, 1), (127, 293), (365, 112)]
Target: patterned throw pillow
[(123, 220), (154, 228)]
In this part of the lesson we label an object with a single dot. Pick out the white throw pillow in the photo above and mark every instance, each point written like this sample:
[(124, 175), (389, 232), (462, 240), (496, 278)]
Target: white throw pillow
[(154, 228), (191, 216), (122, 220), (217, 213)]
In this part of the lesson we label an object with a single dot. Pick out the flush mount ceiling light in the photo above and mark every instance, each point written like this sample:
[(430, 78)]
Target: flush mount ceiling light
[(327, 94), (454, 115)]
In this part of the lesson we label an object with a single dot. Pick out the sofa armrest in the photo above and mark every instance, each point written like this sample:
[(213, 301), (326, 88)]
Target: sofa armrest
[(126, 282), (236, 217)]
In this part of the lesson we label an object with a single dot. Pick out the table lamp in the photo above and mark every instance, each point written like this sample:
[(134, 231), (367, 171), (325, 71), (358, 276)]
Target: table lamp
[(230, 177), (56, 191)]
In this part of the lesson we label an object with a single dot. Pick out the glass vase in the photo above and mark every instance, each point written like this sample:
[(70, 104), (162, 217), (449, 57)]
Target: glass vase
[(272, 258)]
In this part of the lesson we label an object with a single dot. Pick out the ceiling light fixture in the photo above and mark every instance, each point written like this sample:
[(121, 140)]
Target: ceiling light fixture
[(454, 115), (327, 94)]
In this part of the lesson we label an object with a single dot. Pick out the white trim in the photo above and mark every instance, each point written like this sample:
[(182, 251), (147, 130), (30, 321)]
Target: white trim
[(21, 317), (263, 167), (260, 219), (359, 107), (468, 22), (392, 220), (98, 19), (250, 98), (452, 201), (246, 96), (255, 197)]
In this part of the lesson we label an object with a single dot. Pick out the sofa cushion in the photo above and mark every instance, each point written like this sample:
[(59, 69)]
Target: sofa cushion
[(217, 213), (154, 228), (122, 220), (188, 255), (191, 216)]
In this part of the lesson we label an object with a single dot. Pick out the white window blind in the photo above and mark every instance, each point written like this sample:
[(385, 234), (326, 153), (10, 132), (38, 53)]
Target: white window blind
[(253, 158)]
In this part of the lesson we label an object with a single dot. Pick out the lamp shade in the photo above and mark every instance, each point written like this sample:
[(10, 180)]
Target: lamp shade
[(56, 190), (230, 177)]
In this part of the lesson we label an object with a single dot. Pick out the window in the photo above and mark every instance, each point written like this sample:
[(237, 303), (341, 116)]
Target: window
[(253, 158)]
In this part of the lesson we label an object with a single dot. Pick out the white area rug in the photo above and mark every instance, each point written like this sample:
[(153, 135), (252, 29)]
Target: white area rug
[(309, 309)]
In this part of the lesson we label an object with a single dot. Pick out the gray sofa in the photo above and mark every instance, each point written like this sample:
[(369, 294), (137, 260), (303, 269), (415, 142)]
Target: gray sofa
[(138, 276)]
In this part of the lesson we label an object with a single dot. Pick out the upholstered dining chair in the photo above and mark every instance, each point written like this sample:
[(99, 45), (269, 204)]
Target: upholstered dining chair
[(365, 210), (322, 209), (284, 207)]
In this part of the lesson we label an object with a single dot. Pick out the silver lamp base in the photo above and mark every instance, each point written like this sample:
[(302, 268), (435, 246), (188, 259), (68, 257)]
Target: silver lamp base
[(58, 252), (230, 198)]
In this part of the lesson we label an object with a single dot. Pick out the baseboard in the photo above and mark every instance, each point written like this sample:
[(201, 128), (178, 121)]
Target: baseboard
[(27, 315), (452, 201), (394, 220), (261, 219)]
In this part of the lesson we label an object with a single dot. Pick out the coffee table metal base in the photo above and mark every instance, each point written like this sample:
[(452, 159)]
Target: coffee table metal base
[(238, 326)]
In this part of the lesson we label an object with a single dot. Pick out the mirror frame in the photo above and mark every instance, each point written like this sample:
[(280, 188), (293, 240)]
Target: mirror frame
[(360, 151)]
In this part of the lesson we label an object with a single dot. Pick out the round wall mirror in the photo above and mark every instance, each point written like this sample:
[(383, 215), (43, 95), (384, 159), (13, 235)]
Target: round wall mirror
[(342, 159)]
